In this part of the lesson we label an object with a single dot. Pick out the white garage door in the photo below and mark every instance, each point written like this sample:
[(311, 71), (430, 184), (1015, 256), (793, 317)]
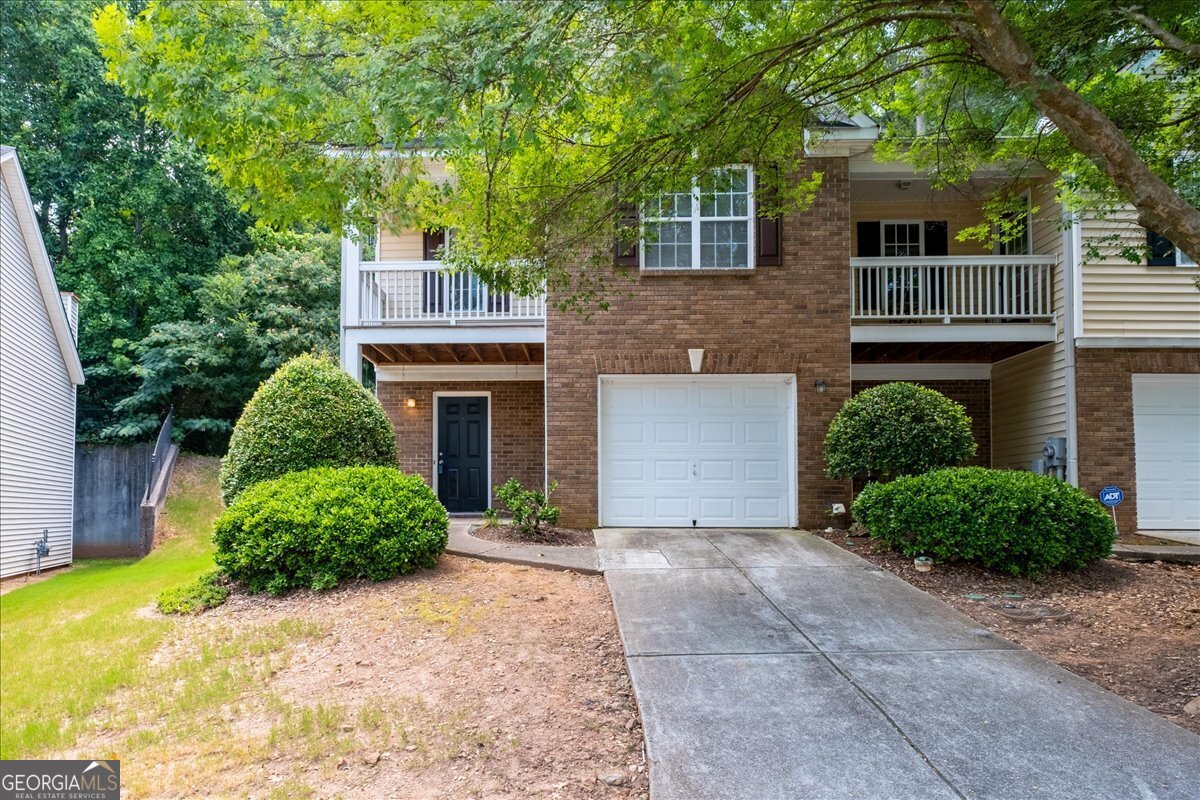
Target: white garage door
[(1166, 430), (703, 450)]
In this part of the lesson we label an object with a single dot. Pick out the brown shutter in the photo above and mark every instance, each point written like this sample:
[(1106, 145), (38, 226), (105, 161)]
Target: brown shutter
[(625, 253), (433, 241), (768, 232)]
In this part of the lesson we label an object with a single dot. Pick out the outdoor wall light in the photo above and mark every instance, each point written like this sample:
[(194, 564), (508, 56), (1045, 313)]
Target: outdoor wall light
[(819, 385), (411, 402)]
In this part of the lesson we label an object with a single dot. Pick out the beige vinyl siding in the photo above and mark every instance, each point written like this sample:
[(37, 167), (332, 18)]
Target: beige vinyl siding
[(958, 214), (1121, 298), (1029, 397), (407, 245), (37, 413)]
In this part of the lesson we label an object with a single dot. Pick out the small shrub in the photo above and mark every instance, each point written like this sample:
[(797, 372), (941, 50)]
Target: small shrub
[(321, 526), (208, 591), (1005, 520), (310, 413), (530, 508), (897, 429)]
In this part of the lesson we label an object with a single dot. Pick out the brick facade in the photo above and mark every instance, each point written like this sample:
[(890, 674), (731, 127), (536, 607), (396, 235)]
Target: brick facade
[(517, 440), (975, 396), (787, 319), (1104, 409)]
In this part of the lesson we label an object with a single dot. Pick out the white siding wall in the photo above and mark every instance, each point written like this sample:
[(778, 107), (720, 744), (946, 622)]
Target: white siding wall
[(37, 413), (1029, 398), (1121, 298)]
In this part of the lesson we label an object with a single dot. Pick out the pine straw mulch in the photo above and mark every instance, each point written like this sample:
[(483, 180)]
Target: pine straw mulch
[(1133, 628), (548, 535)]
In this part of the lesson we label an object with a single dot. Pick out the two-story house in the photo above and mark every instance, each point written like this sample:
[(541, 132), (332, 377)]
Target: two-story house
[(703, 396)]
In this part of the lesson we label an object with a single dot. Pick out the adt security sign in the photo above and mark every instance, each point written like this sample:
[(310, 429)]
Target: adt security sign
[(1111, 496)]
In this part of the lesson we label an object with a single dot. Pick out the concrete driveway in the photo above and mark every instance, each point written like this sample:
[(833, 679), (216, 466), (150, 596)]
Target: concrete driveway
[(775, 665)]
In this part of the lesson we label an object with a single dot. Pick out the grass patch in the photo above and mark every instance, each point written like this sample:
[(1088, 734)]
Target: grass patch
[(70, 641), (208, 591)]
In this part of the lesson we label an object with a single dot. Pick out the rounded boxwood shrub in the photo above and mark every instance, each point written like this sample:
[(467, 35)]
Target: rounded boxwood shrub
[(1005, 520), (321, 526), (897, 429), (310, 413)]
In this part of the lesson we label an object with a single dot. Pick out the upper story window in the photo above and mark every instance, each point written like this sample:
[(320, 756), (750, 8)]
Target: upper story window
[(901, 239), (710, 227), (1164, 253)]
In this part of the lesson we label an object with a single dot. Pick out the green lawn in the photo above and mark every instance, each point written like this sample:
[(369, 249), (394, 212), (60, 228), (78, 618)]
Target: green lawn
[(68, 642)]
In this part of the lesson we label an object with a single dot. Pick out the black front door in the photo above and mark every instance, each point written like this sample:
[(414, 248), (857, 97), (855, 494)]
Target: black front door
[(462, 465)]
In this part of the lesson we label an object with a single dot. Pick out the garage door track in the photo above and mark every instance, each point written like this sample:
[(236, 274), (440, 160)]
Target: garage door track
[(773, 664)]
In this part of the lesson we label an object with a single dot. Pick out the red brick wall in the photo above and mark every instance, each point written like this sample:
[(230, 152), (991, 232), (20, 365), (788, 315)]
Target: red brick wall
[(787, 319), (517, 441), (1104, 410), (975, 396)]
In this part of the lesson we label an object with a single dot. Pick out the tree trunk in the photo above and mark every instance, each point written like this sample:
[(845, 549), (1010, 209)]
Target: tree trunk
[(1089, 130)]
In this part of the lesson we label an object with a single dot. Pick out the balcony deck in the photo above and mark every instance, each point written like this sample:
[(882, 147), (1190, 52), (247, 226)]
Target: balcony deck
[(953, 298), (417, 293)]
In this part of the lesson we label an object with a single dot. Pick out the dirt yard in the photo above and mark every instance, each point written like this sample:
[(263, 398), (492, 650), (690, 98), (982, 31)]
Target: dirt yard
[(560, 537), (471, 681), (1132, 628)]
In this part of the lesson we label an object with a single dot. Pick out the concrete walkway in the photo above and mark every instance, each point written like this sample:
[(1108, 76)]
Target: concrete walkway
[(774, 665), (575, 559)]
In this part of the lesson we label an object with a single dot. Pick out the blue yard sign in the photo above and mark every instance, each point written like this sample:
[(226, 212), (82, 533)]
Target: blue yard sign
[(1111, 496)]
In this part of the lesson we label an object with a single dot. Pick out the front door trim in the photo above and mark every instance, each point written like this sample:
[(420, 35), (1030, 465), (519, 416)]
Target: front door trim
[(437, 425)]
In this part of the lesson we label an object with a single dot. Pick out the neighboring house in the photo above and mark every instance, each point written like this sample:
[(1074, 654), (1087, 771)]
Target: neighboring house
[(702, 398), (39, 371)]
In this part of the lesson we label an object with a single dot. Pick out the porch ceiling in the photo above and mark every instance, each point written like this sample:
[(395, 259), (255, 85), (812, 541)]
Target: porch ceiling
[(456, 353), (938, 352)]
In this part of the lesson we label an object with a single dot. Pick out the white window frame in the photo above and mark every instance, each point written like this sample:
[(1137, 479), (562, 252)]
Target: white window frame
[(883, 223), (695, 221), (1183, 260)]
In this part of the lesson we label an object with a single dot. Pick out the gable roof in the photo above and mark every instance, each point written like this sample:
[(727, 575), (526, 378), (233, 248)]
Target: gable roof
[(10, 169)]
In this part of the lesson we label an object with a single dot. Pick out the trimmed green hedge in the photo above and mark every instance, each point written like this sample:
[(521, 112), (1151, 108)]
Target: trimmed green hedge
[(321, 526), (1004, 520), (897, 429), (310, 413)]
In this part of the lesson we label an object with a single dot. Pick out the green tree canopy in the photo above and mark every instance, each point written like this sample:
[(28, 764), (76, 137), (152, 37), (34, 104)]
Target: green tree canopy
[(255, 313), (551, 114), (132, 219)]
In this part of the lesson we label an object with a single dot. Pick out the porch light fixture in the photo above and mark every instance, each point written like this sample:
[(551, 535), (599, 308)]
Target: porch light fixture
[(411, 402), (819, 385), (696, 357)]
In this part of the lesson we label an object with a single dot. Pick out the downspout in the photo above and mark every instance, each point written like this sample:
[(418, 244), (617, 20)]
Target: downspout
[(1072, 245)]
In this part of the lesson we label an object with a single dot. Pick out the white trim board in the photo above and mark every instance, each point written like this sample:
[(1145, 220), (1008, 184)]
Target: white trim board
[(1118, 342), (1023, 332), (920, 372), (434, 437), (461, 372)]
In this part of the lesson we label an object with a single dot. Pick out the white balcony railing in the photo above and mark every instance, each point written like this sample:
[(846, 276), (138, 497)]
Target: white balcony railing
[(420, 293), (949, 288)]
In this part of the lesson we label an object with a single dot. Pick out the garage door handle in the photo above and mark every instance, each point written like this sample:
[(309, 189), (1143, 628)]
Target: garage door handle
[(695, 470)]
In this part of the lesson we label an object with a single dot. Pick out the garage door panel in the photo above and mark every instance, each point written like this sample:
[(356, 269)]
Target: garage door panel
[(668, 471), (764, 508), (717, 470), (713, 450), (1166, 427), (716, 432), (671, 433)]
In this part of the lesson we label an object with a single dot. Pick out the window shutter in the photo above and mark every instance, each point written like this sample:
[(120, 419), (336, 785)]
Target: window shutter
[(625, 253), (937, 238), (869, 244), (768, 231), (433, 241), (1162, 250), (501, 302)]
